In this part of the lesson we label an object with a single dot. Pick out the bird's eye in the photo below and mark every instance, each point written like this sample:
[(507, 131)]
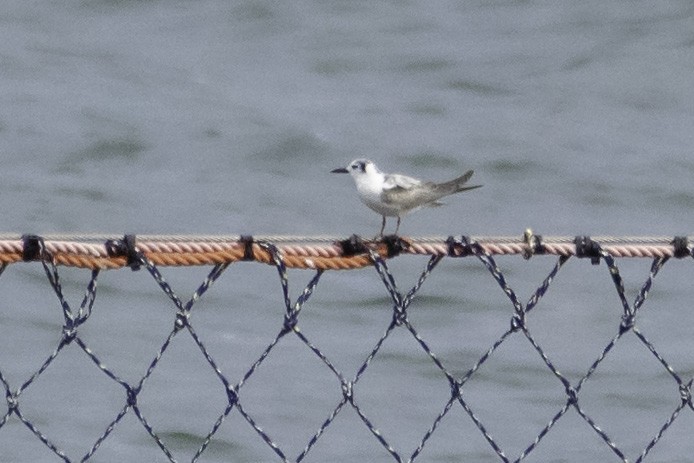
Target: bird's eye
[(360, 166)]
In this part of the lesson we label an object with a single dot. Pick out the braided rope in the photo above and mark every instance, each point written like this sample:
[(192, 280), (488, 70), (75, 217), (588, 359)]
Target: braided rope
[(319, 253)]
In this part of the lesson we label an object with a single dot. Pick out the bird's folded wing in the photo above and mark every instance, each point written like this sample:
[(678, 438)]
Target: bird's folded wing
[(398, 181), (409, 193)]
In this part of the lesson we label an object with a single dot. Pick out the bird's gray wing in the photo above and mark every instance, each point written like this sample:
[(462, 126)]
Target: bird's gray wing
[(399, 181), (407, 193), (398, 190)]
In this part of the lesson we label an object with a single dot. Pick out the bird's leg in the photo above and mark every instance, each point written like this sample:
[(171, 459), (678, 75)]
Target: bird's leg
[(383, 226), (397, 227)]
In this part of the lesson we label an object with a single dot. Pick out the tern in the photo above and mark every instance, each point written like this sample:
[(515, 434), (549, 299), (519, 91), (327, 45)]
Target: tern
[(394, 195)]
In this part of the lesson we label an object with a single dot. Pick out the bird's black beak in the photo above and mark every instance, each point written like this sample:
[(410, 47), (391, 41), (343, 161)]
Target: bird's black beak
[(341, 170)]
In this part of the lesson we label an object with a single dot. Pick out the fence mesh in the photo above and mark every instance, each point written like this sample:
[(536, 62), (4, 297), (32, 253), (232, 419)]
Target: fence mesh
[(314, 257)]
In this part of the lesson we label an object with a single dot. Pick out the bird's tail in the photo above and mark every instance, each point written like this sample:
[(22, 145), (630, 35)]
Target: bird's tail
[(459, 184)]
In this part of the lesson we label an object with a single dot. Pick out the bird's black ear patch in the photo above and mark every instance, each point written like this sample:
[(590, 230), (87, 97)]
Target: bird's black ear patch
[(359, 166)]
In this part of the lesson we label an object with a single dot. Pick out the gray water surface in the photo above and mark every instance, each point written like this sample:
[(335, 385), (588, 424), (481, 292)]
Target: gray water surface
[(215, 117)]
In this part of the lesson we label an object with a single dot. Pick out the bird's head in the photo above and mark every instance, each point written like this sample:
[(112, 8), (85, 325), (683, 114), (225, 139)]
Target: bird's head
[(358, 168)]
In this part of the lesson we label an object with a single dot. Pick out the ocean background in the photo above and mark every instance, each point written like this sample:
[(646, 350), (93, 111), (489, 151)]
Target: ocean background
[(225, 118)]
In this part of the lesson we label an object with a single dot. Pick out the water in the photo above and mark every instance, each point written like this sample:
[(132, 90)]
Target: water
[(225, 118)]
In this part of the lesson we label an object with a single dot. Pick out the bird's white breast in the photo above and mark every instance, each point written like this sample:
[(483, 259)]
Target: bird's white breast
[(370, 188)]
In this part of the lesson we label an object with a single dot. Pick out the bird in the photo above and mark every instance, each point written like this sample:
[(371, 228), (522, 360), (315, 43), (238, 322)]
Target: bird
[(394, 195)]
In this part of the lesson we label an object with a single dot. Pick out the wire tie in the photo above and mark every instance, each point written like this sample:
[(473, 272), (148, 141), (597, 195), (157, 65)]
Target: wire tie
[(685, 392), (517, 322), (12, 403), (232, 395), (132, 396), (586, 247), (347, 390), (247, 241), (458, 248), (352, 246), (399, 316), (69, 333), (181, 320), (534, 243), (125, 247), (290, 321), (32, 248), (628, 322), (395, 245), (455, 389), (573, 396), (681, 245)]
